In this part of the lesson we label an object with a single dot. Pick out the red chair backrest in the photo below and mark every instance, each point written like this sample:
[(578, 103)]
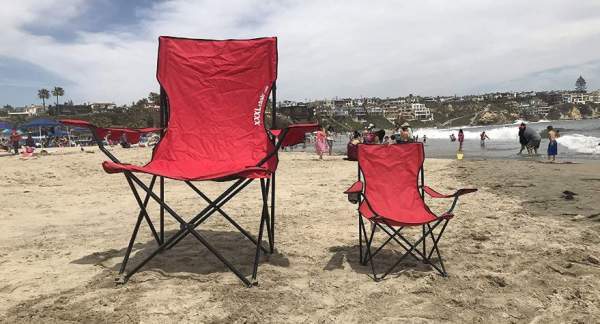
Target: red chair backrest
[(391, 175), (217, 93)]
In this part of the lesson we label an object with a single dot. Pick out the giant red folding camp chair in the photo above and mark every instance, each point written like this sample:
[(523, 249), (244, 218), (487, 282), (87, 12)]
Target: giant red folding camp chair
[(390, 193), (213, 100)]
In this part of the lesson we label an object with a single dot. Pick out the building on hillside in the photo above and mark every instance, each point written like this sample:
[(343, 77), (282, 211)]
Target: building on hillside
[(298, 112), (359, 113), (421, 112), (594, 97), (102, 106), (340, 112), (541, 110), (375, 111), (69, 110), (576, 98), (31, 110)]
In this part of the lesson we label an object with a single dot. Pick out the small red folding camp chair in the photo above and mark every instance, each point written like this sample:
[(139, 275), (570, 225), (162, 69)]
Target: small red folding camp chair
[(390, 195), (213, 100)]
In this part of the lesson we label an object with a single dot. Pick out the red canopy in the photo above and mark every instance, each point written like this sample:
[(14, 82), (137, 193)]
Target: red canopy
[(217, 93), (391, 176)]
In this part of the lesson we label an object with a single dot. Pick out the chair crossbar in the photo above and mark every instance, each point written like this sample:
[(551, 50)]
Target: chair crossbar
[(409, 248), (189, 227)]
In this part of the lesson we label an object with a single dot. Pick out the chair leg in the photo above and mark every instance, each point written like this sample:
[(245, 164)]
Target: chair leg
[(162, 210), (188, 228), (424, 246), (268, 219), (437, 251), (130, 245), (409, 251), (264, 186), (272, 239), (369, 256), (360, 237), (143, 204)]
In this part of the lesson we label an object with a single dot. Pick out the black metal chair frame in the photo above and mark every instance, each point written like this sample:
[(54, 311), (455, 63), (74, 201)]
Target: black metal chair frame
[(267, 219), (394, 234)]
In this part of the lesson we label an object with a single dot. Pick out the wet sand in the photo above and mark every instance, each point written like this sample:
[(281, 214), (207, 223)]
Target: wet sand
[(512, 257)]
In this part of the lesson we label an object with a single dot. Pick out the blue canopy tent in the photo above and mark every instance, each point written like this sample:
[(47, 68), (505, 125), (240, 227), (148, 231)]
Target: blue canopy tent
[(39, 123), (5, 125)]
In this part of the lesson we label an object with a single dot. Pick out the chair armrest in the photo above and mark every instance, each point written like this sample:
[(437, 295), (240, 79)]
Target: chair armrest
[(354, 192), (294, 134), (434, 194), (355, 188), (99, 133), (455, 195)]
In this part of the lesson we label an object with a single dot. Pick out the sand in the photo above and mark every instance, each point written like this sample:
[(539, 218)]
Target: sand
[(511, 257)]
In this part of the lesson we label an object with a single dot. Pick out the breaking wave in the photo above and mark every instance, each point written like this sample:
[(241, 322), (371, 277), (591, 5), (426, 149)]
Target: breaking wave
[(504, 133), (581, 143)]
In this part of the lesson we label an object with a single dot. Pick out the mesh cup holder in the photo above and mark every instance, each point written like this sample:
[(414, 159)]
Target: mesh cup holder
[(353, 197)]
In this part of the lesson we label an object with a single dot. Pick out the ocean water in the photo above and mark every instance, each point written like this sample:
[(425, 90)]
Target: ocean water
[(579, 141)]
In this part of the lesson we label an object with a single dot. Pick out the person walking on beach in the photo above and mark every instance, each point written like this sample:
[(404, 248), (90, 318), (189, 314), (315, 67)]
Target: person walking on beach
[(321, 143), (552, 144), (461, 139), (424, 138), (483, 136), (14, 140), (330, 137)]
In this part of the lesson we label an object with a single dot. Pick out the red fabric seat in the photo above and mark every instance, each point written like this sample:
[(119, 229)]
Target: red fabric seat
[(217, 94), (391, 176)]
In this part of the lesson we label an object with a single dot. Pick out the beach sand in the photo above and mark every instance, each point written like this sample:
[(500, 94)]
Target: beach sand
[(516, 252)]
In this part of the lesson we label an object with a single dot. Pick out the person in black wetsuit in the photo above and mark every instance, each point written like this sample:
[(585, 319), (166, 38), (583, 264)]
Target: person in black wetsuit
[(522, 139)]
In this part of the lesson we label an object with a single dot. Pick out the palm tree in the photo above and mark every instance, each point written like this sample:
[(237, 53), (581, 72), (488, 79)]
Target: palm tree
[(58, 92), (44, 94)]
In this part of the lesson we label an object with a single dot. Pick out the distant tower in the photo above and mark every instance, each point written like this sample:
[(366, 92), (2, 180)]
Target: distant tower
[(580, 85)]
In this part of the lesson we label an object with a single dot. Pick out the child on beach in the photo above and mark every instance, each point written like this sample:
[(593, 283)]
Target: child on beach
[(321, 143), (552, 144)]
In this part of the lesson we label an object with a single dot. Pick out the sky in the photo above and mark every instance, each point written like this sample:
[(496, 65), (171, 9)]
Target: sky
[(105, 50)]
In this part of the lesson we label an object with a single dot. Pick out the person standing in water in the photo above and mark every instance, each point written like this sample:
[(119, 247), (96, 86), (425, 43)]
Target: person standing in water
[(461, 139), (533, 140), (424, 138), (522, 139), (483, 136), (552, 144)]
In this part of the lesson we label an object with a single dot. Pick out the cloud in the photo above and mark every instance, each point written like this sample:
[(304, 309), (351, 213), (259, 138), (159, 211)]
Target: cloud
[(326, 48)]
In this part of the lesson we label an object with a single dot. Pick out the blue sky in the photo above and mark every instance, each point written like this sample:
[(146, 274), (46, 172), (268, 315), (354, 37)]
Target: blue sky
[(105, 50)]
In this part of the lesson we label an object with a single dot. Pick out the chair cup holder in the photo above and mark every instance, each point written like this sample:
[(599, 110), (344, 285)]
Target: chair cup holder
[(353, 197)]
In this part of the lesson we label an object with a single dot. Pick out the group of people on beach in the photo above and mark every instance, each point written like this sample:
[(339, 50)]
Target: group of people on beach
[(530, 139), (371, 135), (13, 143)]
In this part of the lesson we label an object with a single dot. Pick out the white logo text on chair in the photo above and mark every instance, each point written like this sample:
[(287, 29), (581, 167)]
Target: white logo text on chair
[(258, 108)]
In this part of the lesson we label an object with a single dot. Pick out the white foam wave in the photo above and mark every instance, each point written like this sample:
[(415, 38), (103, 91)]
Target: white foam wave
[(504, 133), (581, 143)]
